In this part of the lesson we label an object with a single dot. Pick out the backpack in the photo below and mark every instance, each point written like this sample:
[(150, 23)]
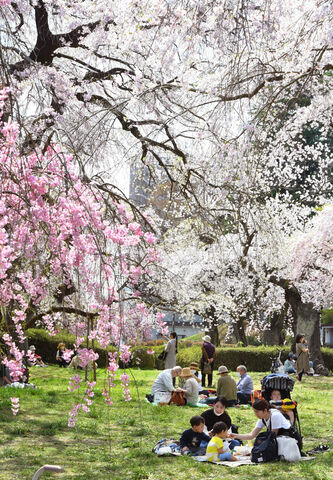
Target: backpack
[(265, 448)]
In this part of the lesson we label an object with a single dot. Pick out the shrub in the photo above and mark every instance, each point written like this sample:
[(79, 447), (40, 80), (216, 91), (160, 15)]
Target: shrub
[(46, 346), (142, 359), (256, 359)]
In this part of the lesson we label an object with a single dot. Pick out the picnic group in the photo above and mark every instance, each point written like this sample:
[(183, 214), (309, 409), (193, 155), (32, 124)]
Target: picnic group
[(16, 375), (212, 433)]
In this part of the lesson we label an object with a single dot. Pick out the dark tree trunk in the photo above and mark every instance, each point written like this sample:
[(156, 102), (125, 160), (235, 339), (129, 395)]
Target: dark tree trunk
[(306, 320), (210, 324), (240, 329), (274, 335)]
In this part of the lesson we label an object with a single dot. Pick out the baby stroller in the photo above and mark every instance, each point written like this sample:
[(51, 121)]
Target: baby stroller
[(285, 384)]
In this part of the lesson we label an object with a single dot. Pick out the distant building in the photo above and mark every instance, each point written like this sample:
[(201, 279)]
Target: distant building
[(327, 335), (183, 328)]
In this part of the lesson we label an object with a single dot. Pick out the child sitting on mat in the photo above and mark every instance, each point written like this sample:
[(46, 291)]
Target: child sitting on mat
[(215, 451)]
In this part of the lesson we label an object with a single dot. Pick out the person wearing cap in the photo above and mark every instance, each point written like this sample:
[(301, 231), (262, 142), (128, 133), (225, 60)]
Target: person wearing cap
[(195, 369), (290, 364), (191, 387), (207, 360), (226, 386)]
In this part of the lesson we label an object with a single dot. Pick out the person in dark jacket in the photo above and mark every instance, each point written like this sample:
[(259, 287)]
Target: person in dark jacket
[(194, 440), (207, 360)]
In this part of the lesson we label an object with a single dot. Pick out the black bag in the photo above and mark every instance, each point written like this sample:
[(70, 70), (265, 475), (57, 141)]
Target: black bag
[(162, 356), (265, 448)]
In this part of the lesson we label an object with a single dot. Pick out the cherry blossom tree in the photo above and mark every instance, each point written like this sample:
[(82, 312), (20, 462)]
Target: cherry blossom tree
[(66, 260), (199, 94)]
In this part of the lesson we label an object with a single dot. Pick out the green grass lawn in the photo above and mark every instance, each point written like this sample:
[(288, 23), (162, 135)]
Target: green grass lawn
[(116, 442)]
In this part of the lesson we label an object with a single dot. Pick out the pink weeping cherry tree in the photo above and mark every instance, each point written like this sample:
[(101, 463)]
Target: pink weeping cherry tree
[(68, 259)]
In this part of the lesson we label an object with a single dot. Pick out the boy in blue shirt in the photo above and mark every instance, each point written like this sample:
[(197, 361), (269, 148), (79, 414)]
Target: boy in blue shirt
[(194, 440)]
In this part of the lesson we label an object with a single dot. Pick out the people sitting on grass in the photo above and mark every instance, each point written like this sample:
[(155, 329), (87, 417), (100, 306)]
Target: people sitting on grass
[(194, 440), (244, 385), (216, 414), (163, 382), (290, 364), (61, 361), (226, 386), (268, 417), (194, 367), (191, 387), (37, 358), (216, 451)]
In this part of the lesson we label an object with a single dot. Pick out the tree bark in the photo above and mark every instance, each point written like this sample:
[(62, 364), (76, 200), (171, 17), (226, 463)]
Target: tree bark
[(210, 324), (274, 335), (306, 320)]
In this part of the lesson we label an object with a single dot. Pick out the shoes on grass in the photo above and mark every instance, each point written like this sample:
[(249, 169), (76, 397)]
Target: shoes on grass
[(318, 449)]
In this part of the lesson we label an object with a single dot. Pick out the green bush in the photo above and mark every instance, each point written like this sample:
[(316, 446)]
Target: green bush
[(328, 357), (46, 346), (141, 358), (256, 359), (327, 316)]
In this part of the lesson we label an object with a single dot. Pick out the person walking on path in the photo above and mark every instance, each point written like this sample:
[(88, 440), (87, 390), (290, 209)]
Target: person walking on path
[(302, 354), (207, 360)]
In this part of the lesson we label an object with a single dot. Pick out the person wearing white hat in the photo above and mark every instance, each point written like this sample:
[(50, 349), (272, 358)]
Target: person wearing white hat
[(226, 386), (37, 359), (207, 360)]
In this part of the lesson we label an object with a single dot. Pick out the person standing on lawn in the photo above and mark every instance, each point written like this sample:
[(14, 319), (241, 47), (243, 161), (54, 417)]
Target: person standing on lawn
[(207, 360), (170, 351), (302, 354)]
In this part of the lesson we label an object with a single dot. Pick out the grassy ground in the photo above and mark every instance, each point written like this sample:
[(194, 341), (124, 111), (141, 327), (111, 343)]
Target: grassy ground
[(116, 443)]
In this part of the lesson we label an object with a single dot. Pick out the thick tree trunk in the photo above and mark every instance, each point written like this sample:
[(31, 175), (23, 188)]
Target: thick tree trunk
[(306, 320), (210, 324), (274, 335), (239, 327)]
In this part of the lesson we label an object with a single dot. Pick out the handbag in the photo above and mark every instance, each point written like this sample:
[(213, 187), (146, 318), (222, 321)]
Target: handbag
[(265, 448), (162, 356), (177, 398), (207, 368)]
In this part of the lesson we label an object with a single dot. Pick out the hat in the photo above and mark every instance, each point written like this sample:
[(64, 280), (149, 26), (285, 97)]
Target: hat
[(186, 372), (206, 338), (32, 347), (222, 369), (194, 366)]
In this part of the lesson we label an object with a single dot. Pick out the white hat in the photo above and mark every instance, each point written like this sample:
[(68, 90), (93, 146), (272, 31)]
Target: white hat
[(32, 347), (206, 338), (222, 369)]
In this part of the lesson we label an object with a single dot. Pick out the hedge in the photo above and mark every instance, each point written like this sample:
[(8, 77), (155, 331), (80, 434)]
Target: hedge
[(46, 347), (257, 359)]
